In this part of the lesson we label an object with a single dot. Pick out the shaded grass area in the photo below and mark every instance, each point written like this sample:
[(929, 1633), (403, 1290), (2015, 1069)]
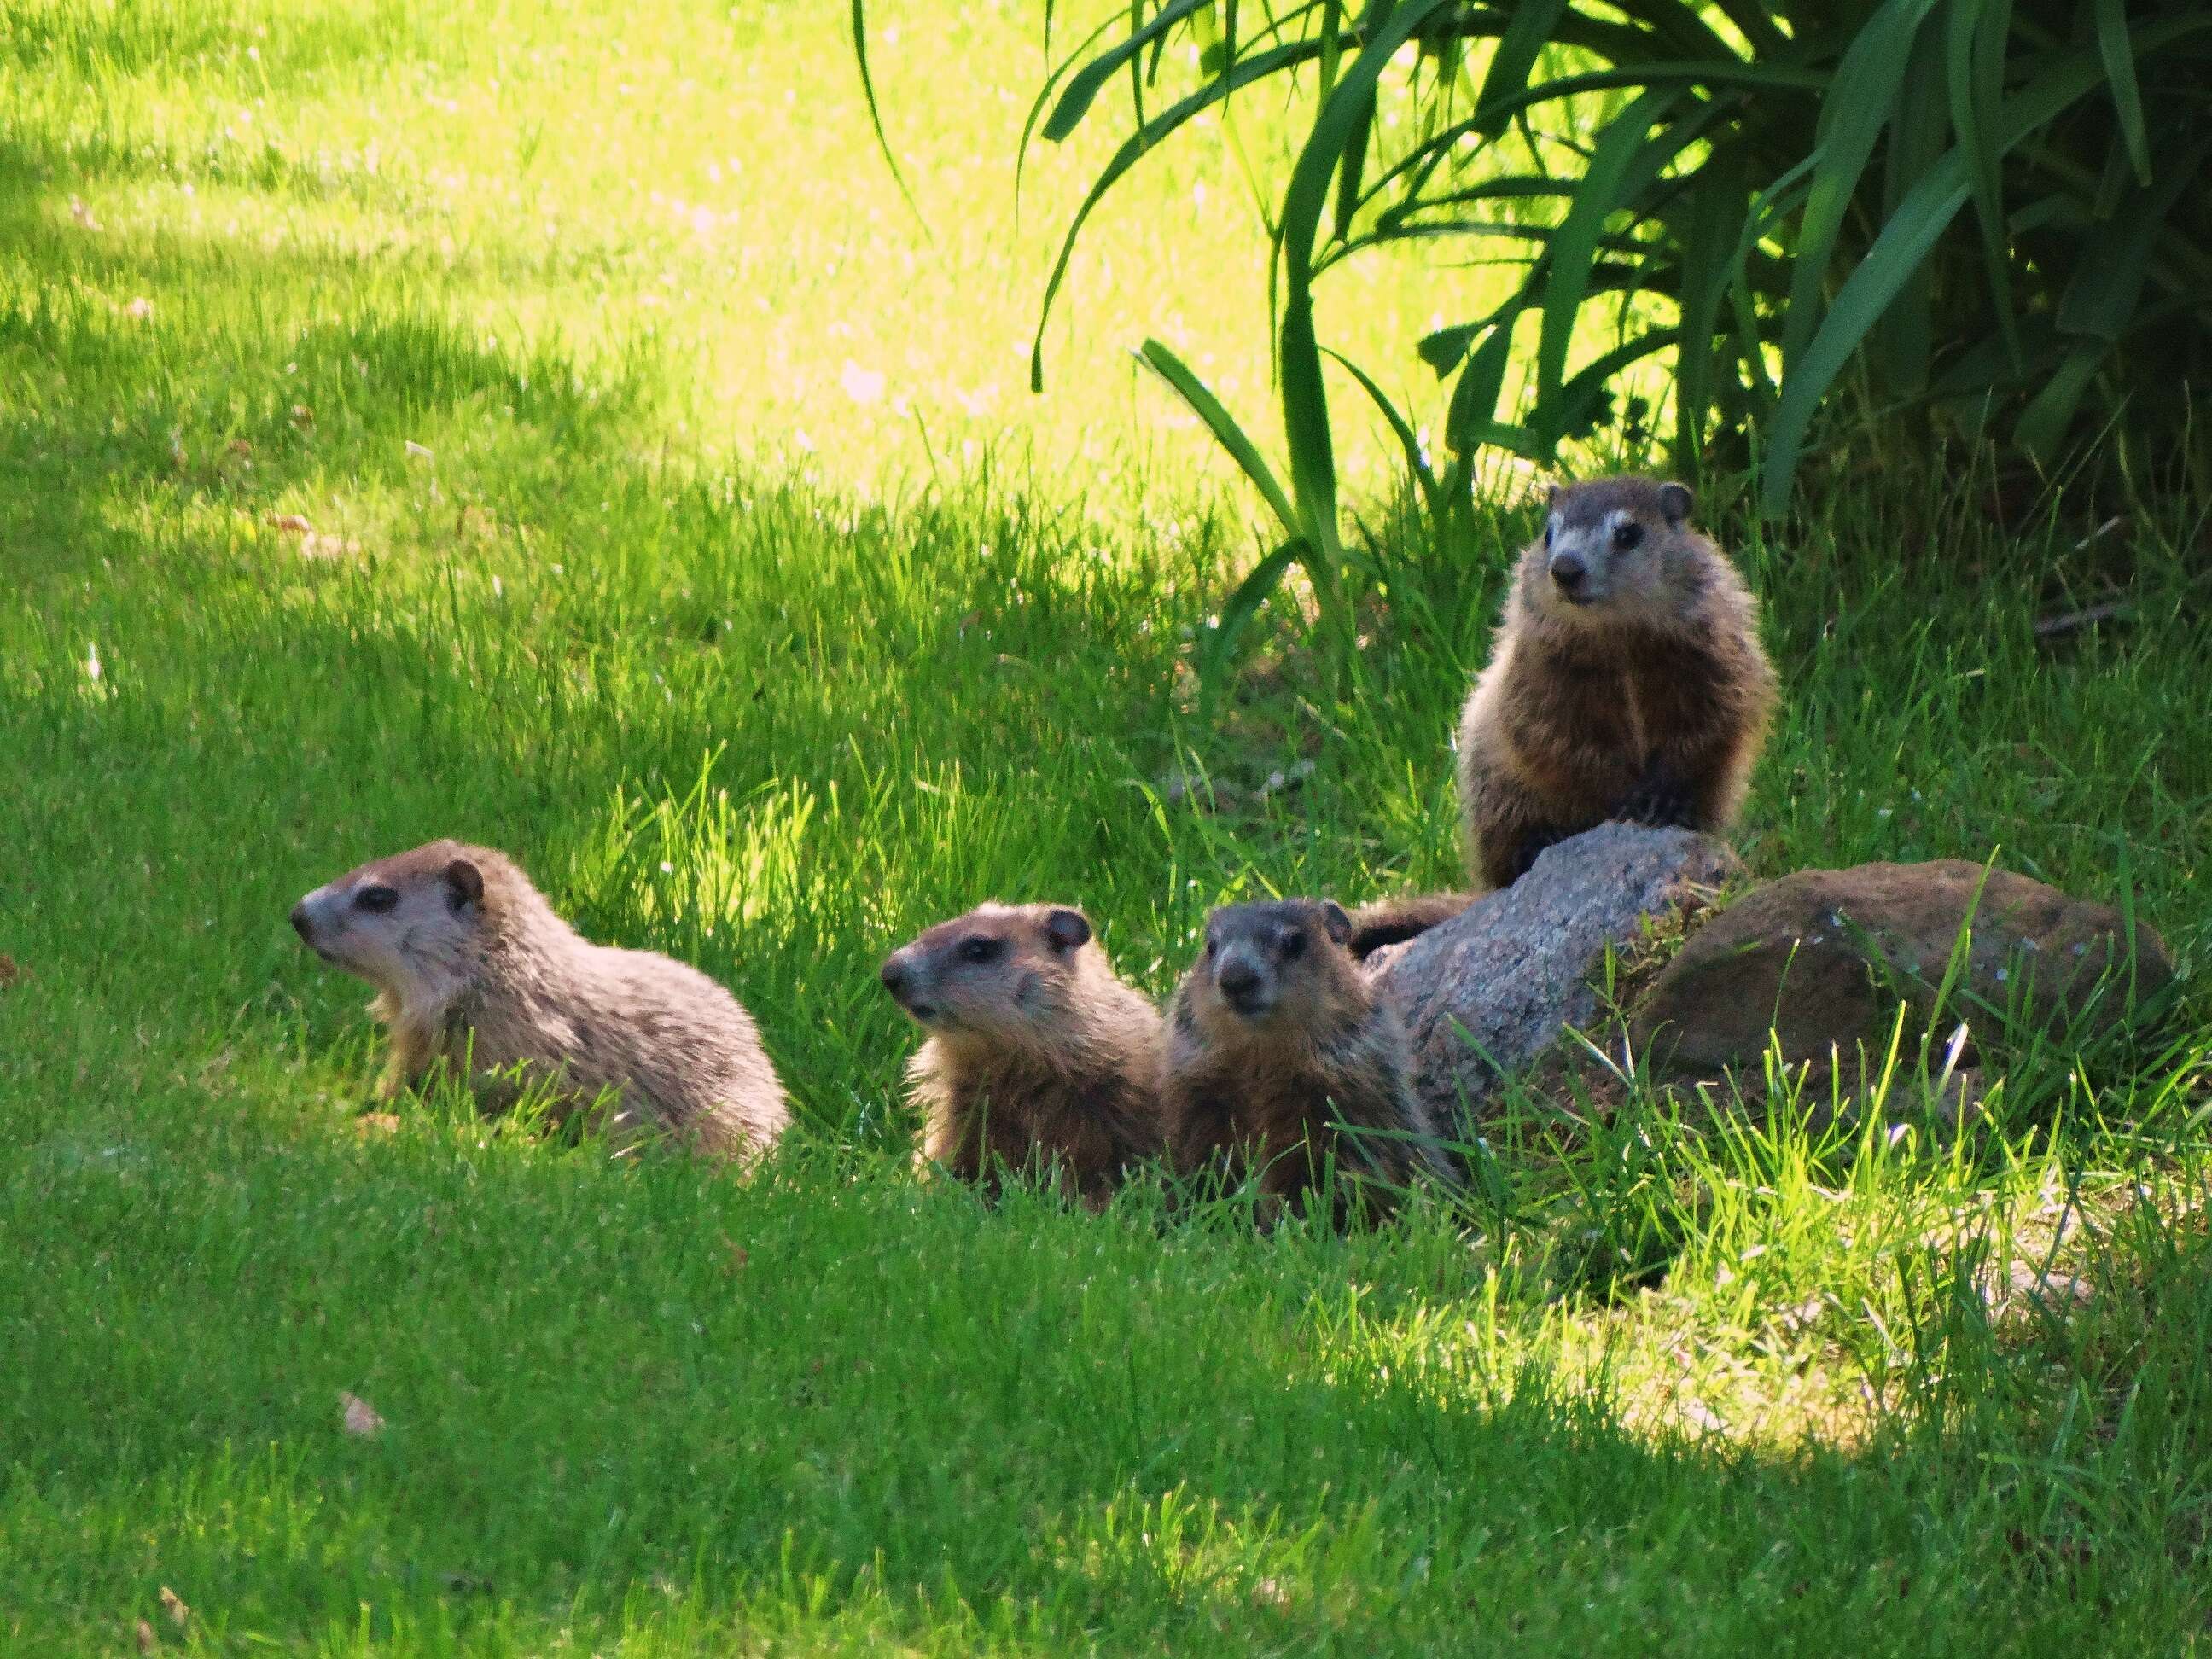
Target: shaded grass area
[(774, 724)]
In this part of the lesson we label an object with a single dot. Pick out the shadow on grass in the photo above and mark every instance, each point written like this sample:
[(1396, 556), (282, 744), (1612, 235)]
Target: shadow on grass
[(648, 1399)]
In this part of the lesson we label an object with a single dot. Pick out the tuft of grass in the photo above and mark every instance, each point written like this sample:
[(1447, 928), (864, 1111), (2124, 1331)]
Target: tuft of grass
[(1726, 1384)]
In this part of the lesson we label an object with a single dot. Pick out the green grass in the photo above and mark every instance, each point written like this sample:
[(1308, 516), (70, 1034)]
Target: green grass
[(773, 706)]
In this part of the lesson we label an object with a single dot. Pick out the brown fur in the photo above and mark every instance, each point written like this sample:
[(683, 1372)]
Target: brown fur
[(1395, 920), (1649, 702), (472, 966), (1038, 1053), (1255, 1087)]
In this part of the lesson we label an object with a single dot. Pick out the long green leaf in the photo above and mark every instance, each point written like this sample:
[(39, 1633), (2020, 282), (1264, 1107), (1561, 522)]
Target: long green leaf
[(1902, 343), (1574, 246), (1085, 84), (1471, 420), (1305, 428), (1423, 475), (1043, 98), (1853, 114), (1528, 33), (2042, 425), (1708, 235), (1974, 70), (2118, 50), (1307, 194), (875, 114), (1305, 405), (1162, 361), (1217, 647)]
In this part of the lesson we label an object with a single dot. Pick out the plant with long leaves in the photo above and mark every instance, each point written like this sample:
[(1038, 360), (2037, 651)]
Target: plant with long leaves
[(1979, 213)]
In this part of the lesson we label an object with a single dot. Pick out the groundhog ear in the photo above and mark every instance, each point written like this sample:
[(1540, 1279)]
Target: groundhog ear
[(1674, 501), (1338, 923), (1067, 929), (1552, 495), (463, 883)]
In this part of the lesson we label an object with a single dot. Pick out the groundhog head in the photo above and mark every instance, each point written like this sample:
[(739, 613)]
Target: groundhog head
[(406, 923), (1285, 964), (1000, 974), (1605, 551)]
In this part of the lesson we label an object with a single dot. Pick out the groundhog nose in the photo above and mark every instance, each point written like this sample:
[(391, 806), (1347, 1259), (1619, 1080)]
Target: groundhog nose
[(895, 978), (301, 924), (1238, 979), (1567, 570)]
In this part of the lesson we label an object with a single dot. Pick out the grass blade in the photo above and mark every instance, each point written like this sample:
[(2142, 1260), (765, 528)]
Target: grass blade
[(1227, 432)]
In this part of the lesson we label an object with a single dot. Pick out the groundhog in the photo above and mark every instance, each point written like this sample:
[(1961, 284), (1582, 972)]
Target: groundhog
[(473, 968), (1037, 1055), (1627, 681), (1280, 1055)]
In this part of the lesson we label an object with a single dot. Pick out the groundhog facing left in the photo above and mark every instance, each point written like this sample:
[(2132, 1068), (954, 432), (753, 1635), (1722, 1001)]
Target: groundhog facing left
[(474, 970)]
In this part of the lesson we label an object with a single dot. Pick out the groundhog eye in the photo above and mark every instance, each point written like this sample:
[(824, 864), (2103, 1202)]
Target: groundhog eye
[(1293, 945), (376, 900), (1213, 946), (1627, 534), (979, 950)]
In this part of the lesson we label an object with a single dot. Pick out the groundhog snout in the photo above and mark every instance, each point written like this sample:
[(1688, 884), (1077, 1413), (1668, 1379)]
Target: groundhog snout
[(1570, 574), (303, 922), (1243, 985), (904, 984)]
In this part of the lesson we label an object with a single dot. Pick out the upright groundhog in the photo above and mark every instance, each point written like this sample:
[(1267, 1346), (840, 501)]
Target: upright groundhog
[(1038, 1053), (1627, 681), (1279, 1055), (472, 967)]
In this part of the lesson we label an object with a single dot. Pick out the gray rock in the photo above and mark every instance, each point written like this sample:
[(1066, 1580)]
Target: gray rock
[(1821, 958), (1513, 968)]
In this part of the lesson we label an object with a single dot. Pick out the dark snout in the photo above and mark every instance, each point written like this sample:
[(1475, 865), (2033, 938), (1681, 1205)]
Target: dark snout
[(901, 980), (302, 923), (1243, 987), (1570, 574)]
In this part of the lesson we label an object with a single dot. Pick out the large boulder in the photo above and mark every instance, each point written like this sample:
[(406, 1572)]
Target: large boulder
[(1822, 958), (1485, 993)]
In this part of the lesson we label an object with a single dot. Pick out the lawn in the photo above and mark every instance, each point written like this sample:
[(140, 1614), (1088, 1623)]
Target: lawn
[(556, 430)]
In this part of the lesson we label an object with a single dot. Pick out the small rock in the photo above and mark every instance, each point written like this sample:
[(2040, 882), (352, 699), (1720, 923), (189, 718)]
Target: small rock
[(1485, 993), (362, 1420), (1821, 959)]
